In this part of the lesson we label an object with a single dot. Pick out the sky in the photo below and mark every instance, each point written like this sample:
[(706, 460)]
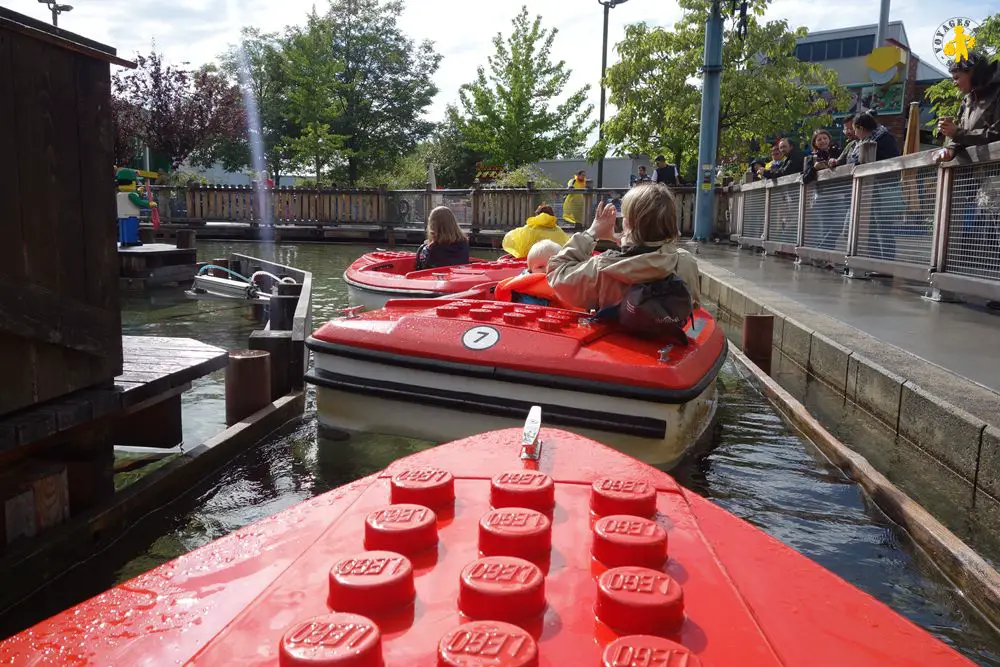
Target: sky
[(196, 31)]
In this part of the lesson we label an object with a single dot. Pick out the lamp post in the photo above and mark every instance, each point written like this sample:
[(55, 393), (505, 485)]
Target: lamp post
[(608, 6), (57, 9), (709, 141)]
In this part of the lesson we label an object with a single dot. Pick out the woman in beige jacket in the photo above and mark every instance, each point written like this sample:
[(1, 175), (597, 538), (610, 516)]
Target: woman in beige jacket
[(649, 252)]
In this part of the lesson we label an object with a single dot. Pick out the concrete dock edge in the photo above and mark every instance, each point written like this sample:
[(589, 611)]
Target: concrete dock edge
[(966, 569)]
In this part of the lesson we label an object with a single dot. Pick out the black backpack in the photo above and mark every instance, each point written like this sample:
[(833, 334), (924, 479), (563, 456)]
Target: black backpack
[(658, 309)]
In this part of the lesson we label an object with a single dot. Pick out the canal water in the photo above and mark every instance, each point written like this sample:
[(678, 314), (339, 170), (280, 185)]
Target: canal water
[(759, 469)]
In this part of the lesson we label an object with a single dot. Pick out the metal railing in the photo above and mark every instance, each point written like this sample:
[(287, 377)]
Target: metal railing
[(908, 217), (479, 209)]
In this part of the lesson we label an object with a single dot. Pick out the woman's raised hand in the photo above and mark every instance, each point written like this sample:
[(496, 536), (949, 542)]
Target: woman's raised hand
[(604, 221)]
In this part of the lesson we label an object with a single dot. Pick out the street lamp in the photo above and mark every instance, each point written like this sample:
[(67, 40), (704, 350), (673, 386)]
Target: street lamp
[(608, 6), (57, 9)]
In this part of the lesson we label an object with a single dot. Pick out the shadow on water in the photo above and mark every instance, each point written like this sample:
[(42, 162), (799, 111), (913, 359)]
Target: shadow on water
[(760, 470)]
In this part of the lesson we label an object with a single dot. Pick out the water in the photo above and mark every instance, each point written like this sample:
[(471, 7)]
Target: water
[(760, 470)]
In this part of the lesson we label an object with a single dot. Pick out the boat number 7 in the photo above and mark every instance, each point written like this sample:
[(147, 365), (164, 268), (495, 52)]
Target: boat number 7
[(480, 338)]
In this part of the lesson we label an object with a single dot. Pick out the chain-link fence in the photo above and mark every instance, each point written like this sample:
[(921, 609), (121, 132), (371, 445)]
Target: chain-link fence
[(974, 229), (754, 202), (896, 221), (783, 214), (827, 215)]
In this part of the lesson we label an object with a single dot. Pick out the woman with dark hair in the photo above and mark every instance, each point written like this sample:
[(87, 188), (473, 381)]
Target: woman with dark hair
[(869, 130), (824, 149), (978, 122)]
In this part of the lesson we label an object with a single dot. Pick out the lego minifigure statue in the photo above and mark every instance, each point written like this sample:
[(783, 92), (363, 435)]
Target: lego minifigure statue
[(130, 204)]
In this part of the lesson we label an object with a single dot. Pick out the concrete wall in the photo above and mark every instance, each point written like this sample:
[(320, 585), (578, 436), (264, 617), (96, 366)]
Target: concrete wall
[(954, 420)]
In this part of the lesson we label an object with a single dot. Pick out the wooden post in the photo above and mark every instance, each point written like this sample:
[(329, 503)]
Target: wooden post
[(186, 238), (279, 345), (147, 235), (248, 384), (758, 332), (282, 311)]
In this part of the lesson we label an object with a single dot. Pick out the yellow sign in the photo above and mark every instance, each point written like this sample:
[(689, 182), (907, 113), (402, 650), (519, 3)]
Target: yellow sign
[(954, 39), (886, 64)]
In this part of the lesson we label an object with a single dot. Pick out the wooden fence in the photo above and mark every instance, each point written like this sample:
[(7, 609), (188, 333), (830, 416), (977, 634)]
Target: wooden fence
[(479, 209)]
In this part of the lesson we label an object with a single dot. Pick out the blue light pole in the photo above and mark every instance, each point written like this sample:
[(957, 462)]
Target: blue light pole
[(708, 144)]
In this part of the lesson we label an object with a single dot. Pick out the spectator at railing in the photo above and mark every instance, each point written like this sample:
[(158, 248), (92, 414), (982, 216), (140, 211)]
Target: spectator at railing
[(668, 174), (824, 149), (849, 148), (642, 177), (790, 163), (978, 123), (887, 197)]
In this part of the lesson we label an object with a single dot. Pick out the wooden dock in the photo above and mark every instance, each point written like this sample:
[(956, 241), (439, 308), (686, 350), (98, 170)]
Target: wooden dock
[(156, 265), (68, 443)]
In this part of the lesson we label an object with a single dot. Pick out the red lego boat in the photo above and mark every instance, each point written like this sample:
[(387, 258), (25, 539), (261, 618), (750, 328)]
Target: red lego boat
[(376, 277), (507, 549), (443, 369)]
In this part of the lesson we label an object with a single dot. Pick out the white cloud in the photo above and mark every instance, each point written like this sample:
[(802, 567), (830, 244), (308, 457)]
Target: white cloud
[(196, 31)]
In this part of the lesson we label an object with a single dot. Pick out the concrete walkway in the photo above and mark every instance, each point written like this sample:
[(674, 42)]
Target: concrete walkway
[(962, 338)]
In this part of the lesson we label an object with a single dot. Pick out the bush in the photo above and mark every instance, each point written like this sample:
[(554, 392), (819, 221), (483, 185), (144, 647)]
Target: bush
[(519, 178)]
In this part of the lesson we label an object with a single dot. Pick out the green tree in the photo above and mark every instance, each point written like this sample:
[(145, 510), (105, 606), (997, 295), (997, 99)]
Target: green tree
[(656, 88), (261, 72), (510, 114), (313, 95), (385, 84), (944, 97), (454, 161)]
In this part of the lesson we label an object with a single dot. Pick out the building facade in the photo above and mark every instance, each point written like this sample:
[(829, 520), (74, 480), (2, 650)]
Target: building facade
[(883, 79)]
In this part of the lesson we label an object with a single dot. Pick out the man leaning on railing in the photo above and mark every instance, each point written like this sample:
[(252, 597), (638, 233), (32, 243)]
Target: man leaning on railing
[(978, 120)]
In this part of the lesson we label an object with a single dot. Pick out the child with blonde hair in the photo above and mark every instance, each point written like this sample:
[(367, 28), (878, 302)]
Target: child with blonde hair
[(446, 244), (532, 286)]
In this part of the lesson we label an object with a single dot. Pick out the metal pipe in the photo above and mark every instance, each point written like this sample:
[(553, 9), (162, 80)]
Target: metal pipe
[(709, 142), (600, 124), (883, 24)]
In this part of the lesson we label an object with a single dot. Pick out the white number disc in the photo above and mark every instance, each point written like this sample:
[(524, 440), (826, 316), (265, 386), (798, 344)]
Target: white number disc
[(480, 338)]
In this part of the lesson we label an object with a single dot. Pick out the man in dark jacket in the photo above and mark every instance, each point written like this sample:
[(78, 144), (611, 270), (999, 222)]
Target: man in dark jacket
[(886, 203), (978, 121), (665, 173), (791, 162)]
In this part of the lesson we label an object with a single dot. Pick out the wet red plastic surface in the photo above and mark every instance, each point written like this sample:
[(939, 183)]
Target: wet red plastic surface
[(747, 599), (403, 528), (622, 539), (332, 640), (487, 644), (371, 582), (395, 271), (523, 488), (429, 487), (647, 651), (623, 495), (515, 531), (546, 340), (501, 588)]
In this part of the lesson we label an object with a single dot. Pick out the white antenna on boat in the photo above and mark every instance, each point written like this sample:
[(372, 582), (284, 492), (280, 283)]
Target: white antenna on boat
[(531, 447)]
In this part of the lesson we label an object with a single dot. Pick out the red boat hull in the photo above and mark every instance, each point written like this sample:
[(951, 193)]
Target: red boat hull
[(377, 276), (747, 599)]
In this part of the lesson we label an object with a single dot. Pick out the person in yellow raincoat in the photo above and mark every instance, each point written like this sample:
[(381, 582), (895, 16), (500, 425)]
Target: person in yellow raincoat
[(539, 227), (573, 204)]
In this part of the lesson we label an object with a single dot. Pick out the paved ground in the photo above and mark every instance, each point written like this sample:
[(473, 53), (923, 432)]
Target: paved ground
[(963, 338)]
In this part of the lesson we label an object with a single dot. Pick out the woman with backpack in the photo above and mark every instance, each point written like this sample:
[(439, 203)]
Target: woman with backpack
[(650, 257)]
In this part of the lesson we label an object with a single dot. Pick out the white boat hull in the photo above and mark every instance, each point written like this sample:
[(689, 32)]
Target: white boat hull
[(367, 396), (373, 300)]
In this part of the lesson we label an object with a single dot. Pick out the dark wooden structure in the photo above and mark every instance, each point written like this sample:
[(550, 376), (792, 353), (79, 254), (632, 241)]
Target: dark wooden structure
[(60, 326), (156, 264)]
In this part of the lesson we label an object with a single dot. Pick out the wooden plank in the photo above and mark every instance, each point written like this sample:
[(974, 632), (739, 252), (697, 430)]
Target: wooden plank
[(18, 387), (145, 343), (98, 212), (77, 369), (40, 218), (40, 313)]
